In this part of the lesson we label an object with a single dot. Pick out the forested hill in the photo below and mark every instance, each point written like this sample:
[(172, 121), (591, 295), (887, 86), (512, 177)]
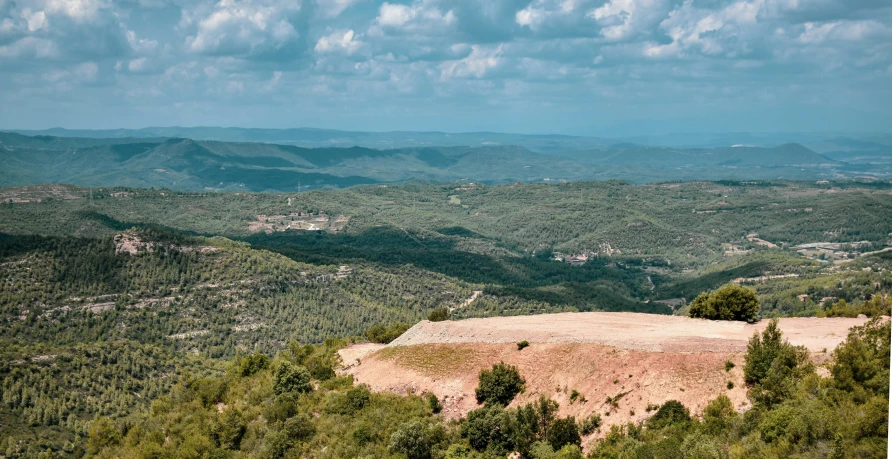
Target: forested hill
[(111, 296), (186, 164)]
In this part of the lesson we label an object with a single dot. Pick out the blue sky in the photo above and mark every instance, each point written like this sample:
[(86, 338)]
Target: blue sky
[(617, 67)]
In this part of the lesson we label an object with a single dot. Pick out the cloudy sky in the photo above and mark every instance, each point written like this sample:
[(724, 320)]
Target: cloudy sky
[(596, 67)]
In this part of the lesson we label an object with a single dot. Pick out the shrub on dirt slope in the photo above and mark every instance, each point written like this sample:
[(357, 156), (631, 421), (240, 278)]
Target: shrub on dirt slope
[(499, 385)]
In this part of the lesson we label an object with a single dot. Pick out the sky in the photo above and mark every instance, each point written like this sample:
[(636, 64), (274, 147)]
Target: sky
[(601, 67)]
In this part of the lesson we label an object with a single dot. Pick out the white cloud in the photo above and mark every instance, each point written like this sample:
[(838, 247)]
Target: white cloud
[(476, 65), (814, 33), (621, 19), (141, 45), (79, 10), (419, 14), (36, 21), (341, 41), (531, 17), (245, 27), (711, 32), (137, 65)]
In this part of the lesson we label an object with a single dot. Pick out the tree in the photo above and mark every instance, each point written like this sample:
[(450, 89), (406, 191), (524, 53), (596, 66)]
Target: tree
[(251, 364), (229, 429), (772, 365), (861, 363), (717, 414), (438, 315), (490, 427), (102, 434), (672, 412), (413, 439), (291, 378), (729, 302), (563, 432), (499, 385)]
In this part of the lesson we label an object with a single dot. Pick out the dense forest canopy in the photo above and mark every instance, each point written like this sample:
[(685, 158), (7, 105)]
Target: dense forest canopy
[(128, 311)]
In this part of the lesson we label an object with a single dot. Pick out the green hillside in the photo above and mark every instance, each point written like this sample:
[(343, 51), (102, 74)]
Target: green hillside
[(115, 301)]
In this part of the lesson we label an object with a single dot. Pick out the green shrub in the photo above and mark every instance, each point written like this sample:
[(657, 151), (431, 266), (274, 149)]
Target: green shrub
[(351, 401), (291, 378), (229, 429), (717, 414), (413, 439), (434, 403), (590, 424), (562, 432), (523, 344), (672, 412), (251, 364), (385, 334), (729, 365), (489, 428), (729, 302), (438, 315), (300, 427), (773, 366), (102, 434), (499, 385)]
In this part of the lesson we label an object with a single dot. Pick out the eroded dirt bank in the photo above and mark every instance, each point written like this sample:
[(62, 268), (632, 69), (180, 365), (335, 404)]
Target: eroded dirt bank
[(639, 359)]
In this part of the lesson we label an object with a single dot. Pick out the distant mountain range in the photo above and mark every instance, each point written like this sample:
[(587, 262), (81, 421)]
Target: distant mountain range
[(310, 137), (183, 163)]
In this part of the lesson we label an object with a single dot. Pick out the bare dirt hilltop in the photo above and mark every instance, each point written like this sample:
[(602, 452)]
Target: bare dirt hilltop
[(625, 330), (637, 359)]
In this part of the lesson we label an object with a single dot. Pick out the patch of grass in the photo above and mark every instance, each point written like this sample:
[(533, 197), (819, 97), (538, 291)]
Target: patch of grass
[(431, 359), (521, 345)]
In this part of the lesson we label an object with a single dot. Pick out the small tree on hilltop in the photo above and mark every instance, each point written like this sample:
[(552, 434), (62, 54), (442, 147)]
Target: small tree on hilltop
[(729, 302), (499, 385)]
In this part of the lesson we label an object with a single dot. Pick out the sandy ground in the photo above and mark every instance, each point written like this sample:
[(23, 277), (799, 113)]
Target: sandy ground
[(647, 358), (626, 330)]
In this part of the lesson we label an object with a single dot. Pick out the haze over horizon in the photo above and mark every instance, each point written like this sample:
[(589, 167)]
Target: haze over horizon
[(598, 68)]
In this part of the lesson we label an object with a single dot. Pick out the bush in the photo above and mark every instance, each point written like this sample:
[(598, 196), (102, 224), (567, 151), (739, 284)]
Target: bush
[(300, 427), (861, 363), (413, 439), (590, 424), (773, 365), (251, 364), (434, 403), (717, 414), (438, 315), (291, 378), (672, 412), (489, 428), (102, 434), (349, 402), (563, 432), (229, 429), (729, 302), (499, 385), (523, 344), (385, 334)]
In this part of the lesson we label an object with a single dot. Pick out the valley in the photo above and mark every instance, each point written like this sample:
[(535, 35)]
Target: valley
[(182, 285)]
